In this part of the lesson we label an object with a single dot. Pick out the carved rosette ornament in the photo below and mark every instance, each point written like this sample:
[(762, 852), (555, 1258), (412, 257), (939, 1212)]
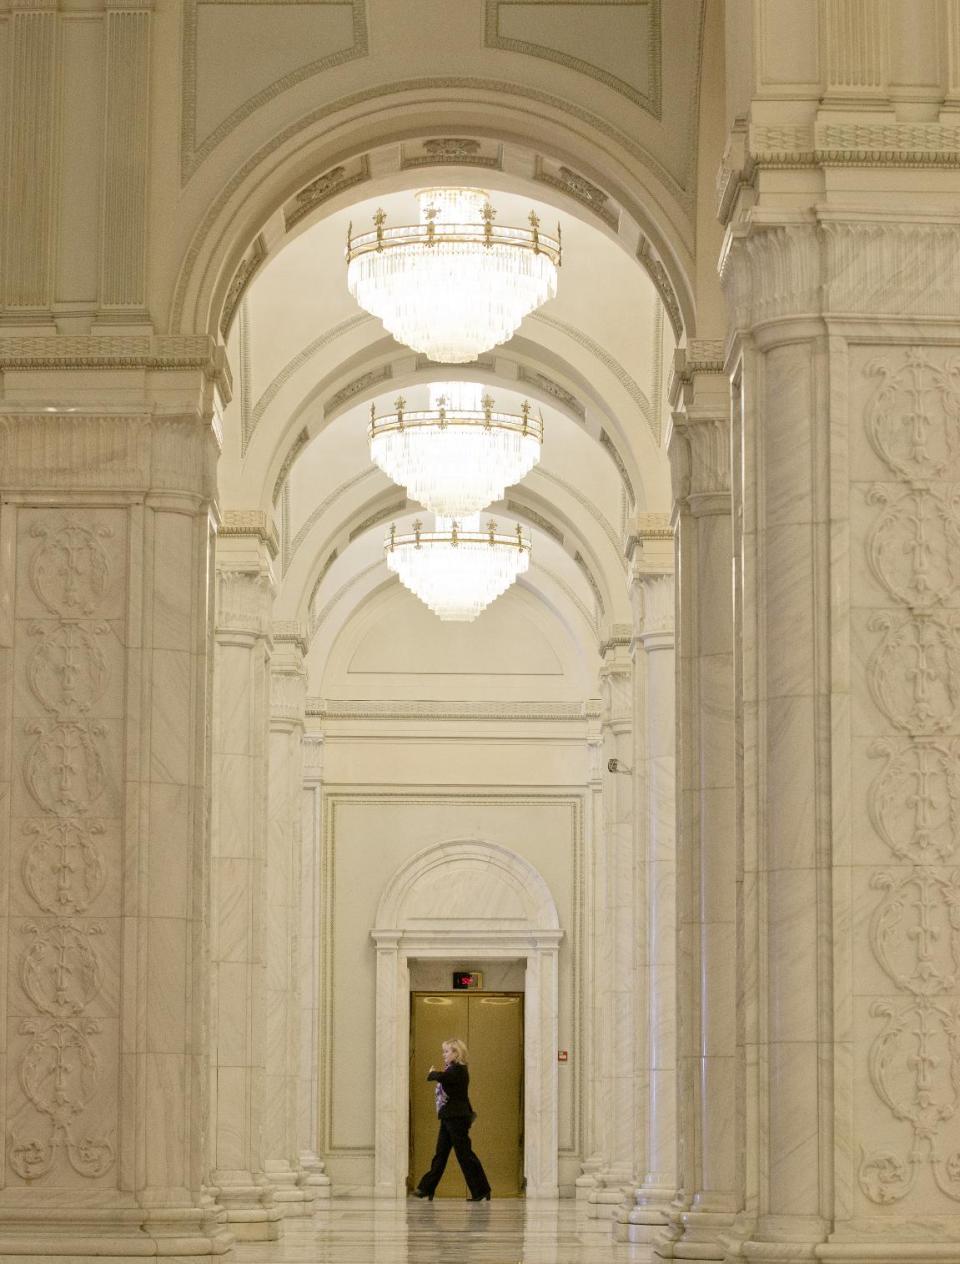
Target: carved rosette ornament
[(913, 550), (60, 968)]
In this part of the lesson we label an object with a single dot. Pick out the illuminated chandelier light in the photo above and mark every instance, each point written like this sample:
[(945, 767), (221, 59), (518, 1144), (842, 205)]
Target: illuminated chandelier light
[(459, 455), (456, 284), (457, 569)]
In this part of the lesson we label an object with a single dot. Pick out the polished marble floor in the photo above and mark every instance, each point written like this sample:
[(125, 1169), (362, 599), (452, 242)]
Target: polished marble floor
[(365, 1231)]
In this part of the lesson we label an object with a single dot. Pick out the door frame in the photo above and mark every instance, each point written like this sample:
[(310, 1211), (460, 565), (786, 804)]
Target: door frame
[(404, 934), (466, 993), (539, 952)]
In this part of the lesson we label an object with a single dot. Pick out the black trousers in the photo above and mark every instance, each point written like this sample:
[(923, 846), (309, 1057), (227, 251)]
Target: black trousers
[(454, 1135)]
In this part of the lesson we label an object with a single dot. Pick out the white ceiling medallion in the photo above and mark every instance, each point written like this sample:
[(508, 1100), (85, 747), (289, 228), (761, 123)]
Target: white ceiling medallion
[(457, 569), (456, 284), (459, 455)]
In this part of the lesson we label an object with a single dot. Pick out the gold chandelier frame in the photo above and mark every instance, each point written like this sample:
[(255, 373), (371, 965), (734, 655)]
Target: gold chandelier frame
[(441, 417), (433, 234), (419, 538)]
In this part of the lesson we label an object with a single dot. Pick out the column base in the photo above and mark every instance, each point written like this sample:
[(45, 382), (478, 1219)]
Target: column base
[(608, 1194), (251, 1210), (314, 1176), (693, 1235), (84, 1235), (645, 1218), (294, 1198)]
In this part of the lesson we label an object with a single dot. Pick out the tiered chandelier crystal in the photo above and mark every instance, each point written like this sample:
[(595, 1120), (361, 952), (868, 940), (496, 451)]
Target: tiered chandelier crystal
[(456, 284), (459, 455), (457, 569)]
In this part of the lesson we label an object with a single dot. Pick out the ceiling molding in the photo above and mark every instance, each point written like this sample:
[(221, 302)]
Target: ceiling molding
[(649, 101), (194, 152)]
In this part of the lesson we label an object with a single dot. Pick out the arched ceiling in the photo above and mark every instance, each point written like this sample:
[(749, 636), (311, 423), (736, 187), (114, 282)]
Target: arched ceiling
[(309, 364)]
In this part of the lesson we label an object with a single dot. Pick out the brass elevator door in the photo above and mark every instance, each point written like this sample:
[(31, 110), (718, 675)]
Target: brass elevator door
[(491, 1026)]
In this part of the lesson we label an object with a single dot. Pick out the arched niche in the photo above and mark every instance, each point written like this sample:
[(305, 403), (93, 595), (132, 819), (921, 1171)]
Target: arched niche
[(461, 899)]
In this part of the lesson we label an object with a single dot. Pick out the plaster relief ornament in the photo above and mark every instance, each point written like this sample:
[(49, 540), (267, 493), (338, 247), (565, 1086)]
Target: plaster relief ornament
[(67, 671), (70, 571), (59, 1075), (914, 673), (64, 770), (913, 419), (456, 284), (914, 549), (60, 971), (914, 802), (457, 456), (62, 868)]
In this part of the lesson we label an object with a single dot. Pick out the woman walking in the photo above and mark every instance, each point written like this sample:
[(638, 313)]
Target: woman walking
[(455, 1115)]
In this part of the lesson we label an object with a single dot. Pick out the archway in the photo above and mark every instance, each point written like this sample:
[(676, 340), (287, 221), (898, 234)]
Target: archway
[(519, 921)]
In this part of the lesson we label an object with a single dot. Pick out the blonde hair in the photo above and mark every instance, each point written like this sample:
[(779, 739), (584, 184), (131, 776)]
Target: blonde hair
[(459, 1050)]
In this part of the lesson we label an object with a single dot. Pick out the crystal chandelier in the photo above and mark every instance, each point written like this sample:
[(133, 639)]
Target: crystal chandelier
[(455, 284), (457, 569), (458, 455)]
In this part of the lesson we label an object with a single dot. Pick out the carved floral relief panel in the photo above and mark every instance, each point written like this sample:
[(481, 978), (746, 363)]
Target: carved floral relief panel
[(905, 628), (63, 946)]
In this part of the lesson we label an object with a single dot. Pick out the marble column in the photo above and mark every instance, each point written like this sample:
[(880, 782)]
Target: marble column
[(284, 810), (847, 417), (246, 547), (616, 963), (650, 552), (311, 904), (106, 545), (699, 447), (593, 956)]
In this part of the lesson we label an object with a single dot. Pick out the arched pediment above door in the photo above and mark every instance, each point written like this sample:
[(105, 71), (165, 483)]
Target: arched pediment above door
[(467, 885)]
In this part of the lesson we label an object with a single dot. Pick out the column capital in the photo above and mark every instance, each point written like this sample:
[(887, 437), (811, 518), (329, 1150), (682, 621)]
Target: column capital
[(654, 615)]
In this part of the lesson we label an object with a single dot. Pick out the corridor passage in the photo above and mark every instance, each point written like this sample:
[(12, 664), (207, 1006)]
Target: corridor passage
[(364, 1231)]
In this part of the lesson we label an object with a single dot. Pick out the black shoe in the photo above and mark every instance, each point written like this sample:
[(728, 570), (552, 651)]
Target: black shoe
[(479, 1198), (422, 1193)]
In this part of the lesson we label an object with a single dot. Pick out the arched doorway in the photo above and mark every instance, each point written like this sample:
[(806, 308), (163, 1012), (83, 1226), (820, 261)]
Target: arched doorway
[(429, 909)]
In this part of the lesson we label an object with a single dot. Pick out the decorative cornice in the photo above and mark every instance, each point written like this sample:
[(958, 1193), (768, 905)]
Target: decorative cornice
[(580, 189), (454, 151), (428, 709), (325, 504), (608, 361), (393, 510), (118, 351), (290, 632), (324, 187), (241, 279), (549, 387), (649, 101), (613, 452), (535, 518), (656, 270), (359, 384), (299, 443), (588, 575), (250, 522)]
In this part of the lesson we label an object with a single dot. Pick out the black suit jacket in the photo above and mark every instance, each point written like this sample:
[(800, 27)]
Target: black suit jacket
[(455, 1080)]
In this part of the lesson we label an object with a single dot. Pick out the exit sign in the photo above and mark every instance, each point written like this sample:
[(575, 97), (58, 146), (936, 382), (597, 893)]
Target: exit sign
[(467, 980)]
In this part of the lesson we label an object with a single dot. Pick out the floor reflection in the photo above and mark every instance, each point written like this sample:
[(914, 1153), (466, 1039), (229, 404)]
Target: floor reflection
[(368, 1231)]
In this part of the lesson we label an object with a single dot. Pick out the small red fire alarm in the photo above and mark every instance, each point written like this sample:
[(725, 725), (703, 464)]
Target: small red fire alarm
[(562, 1055)]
